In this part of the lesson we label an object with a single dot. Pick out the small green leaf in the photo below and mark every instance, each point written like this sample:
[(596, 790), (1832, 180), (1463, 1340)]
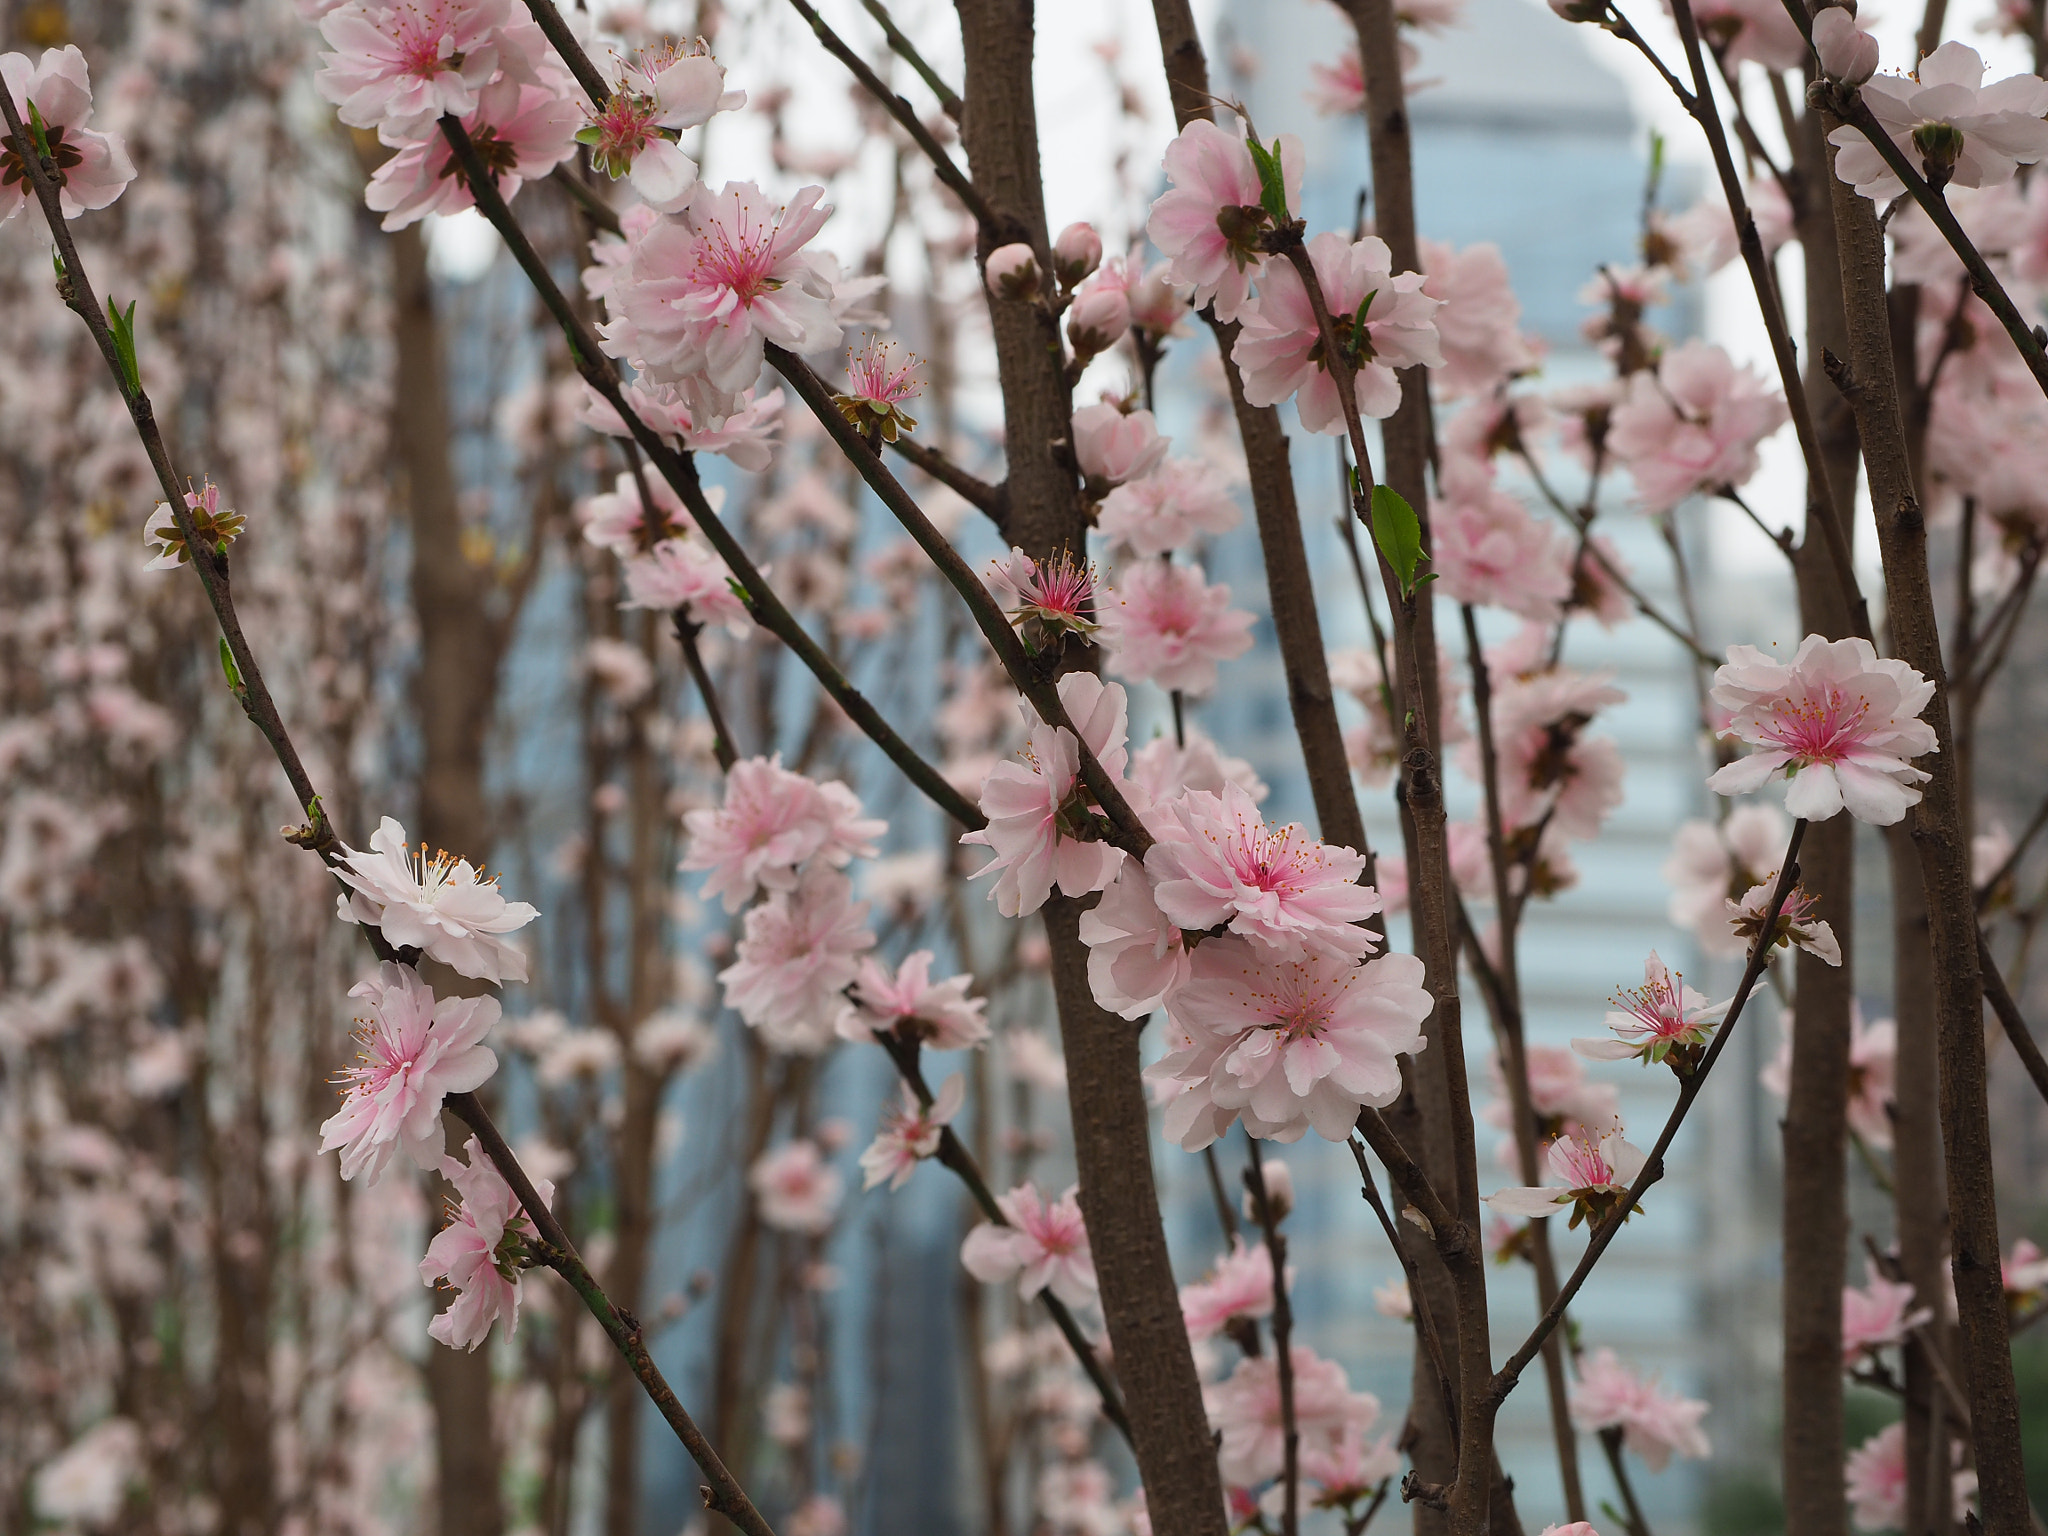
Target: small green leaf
[(589, 135), (123, 327), (1272, 181), (39, 132), (227, 665), (1398, 533)]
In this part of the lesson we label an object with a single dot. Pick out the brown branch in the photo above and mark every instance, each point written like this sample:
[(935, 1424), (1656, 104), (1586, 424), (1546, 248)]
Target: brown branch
[(2000, 997), (1283, 1341), (990, 499)]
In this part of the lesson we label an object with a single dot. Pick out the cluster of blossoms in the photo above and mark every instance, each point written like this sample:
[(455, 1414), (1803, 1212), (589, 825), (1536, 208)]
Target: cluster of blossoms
[(53, 96)]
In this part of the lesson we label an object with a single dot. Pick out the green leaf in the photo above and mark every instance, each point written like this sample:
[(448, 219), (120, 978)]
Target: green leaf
[(591, 134), (123, 327), (227, 665), (1272, 181), (1398, 533), (38, 132)]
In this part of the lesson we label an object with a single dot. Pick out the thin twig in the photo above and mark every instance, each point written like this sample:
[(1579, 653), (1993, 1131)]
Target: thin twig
[(949, 99), (1283, 1341), (1425, 1324), (2001, 1000)]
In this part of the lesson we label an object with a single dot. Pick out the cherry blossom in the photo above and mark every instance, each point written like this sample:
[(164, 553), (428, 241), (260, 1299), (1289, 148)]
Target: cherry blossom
[(687, 576), (1656, 1425), (1163, 768), (1711, 865), (655, 96), (1135, 952), (1703, 238), (1795, 926), (1839, 721), (1044, 1246), (1873, 1074), (1216, 862), (1879, 1315), (1113, 445), (1337, 90), (1876, 1479), (1491, 552), (1276, 1189), (397, 65), (702, 292), (912, 1007), (1693, 425), (795, 1189), (438, 905), (521, 133), (1034, 807), (1944, 119), (1075, 253), (1348, 1473), (1165, 511), (1548, 767), (1048, 598), (415, 1051), (799, 950), (1382, 321), (1847, 54), (1286, 1045), (1751, 30), (1209, 222), (1564, 1101), (480, 1252), (770, 825), (617, 519), (877, 386), (1477, 325), (2025, 1271), (92, 167), (1374, 748), (745, 435), (211, 525), (1100, 314), (1239, 1285), (1662, 1019), (1168, 626), (1596, 1176), (910, 1133), (1245, 1408), (1012, 272), (1576, 1528)]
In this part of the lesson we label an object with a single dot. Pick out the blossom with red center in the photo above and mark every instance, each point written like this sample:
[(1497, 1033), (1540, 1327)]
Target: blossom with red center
[(1655, 1424), (1796, 926), (1285, 1045), (796, 1189), (480, 1252), (912, 1007), (1238, 1287), (1382, 320), (1880, 1314), (703, 292), (1044, 1246), (1170, 627), (1839, 721), (910, 1133), (56, 91), (1596, 1176), (877, 387), (415, 1051), (657, 95), (1212, 218), (521, 132), (438, 904), (1047, 598), (397, 65), (1217, 863), (1661, 1020)]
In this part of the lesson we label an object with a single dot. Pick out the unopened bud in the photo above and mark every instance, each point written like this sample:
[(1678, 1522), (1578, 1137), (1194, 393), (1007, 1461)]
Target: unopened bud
[(1279, 1191), (1847, 53), (1100, 315), (1580, 10), (1940, 146), (1076, 253), (1013, 272)]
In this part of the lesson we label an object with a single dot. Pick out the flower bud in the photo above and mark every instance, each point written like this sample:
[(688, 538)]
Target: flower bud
[(1940, 146), (1279, 1191), (1076, 253), (1012, 272), (1100, 315), (1580, 10), (1847, 53), (1157, 305)]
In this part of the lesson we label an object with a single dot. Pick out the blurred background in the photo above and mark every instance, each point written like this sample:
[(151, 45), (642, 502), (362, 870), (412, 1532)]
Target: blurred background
[(203, 1329)]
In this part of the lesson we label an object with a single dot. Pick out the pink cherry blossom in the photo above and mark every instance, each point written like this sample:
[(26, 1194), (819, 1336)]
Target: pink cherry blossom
[(770, 825), (1879, 1315), (1113, 446), (1477, 326), (1075, 253), (799, 950), (877, 385), (702, 293), (1548, 766), (795, 1189), (2025, 1271), (665, 89), (1286, 1045), (1158, 303), (1943, 115), (1693, 425), (1044, 1246), (687, 575), (1011, 272), (1663, 1018), (1163, 768), (1839, 721), (1565, 1102), (1795, 925), (1238, 1285), (521, 132), (1217, 862), (1046, 598), (1280, 348), (1245, 1408), (1751, 30), (914, 1008), (1656, 1425), (480, 1252), (1876, 1479), (1100, 314), (1030, 805), (92, 167), (1337, 90), (1135, 953), (1347, 1473), (1873, 1074), (1374, 748), (438, 905), (1166, 625), (746, 435), (1710, 865), (1209, 221), (397, 65), (1576, 1528), (617, 519), (909, 1134), (1491, 552), (1595, 1176), (1165, 511), (415, 1050)]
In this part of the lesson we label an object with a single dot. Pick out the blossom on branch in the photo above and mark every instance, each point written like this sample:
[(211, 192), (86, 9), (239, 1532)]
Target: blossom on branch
[(798, 952), (1879, 1315), (1044, 1246), (1710, 866), (1238, 1286), (771, 824), (1796, 927), (913, 1008), (92, 167), (1168, 626), (210, 524), (1112, 445), (1692, 424), (1596, 1176), (437, 905), (1839, 721), (1210, 221), (1136, 955), (910, 1133), (397, 65), (1873, 1074), (655, 96), (1663, 1019), (521, 132), (1166, 510), (1948, 123), (480, 1252), (1655, 1424), (1245, 1409), (795, 1189), (687, 576), (415, 1050)]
